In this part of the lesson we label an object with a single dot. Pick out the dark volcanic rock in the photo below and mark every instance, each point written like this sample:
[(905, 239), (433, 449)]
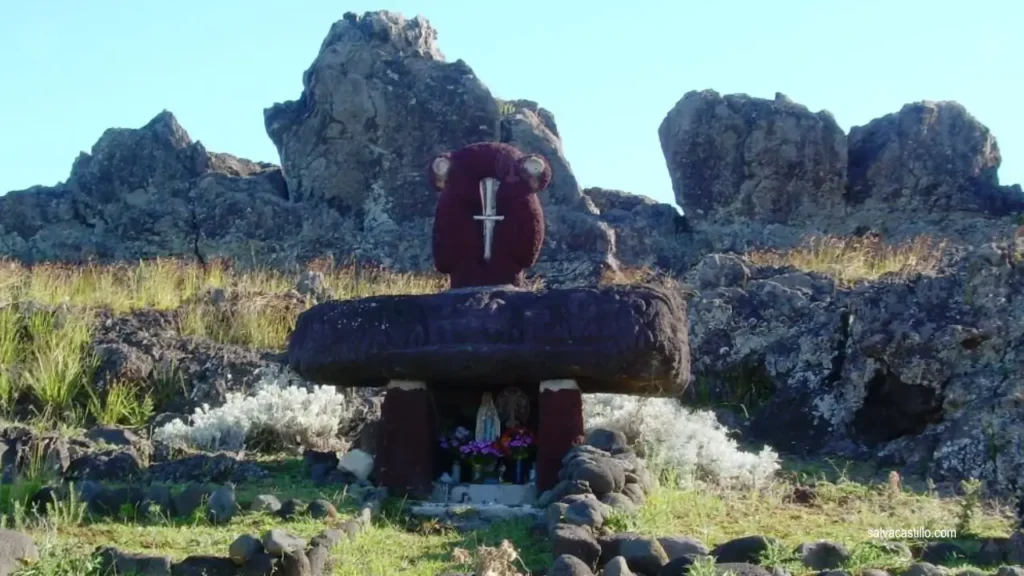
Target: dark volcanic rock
[(919, 371), (204, 566), (624, 339), (115, 563), (746, 549), (200, 468), (118, 465), (929, 156), (147, 345), (773, 161), (152, 191)]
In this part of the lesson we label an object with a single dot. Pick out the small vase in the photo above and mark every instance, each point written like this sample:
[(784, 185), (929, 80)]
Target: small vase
[(456, 472), (519, 471)]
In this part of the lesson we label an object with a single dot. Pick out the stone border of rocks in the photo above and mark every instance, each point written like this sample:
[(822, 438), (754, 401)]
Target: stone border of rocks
[(276, 552), (604, 476)]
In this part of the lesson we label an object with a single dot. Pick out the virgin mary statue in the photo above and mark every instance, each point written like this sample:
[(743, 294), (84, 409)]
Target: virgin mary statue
[(488, 423)]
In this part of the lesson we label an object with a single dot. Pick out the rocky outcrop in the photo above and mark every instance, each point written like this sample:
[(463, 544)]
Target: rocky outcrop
[(921, 371), (378, 102), (738, 157), (752, 172), (929, 156), (648, 234), (183, 373), (152, 191)]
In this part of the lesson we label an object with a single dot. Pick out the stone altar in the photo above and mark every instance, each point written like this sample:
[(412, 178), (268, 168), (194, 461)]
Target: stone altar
[(439, 354)]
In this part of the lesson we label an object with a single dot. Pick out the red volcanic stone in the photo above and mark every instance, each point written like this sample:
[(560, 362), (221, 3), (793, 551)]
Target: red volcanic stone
[(458, 243), (405, 445), (618, 339), (559, 426)]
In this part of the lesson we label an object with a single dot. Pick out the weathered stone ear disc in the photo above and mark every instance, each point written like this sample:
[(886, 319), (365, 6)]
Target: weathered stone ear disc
[(534, 165), (440, 167)]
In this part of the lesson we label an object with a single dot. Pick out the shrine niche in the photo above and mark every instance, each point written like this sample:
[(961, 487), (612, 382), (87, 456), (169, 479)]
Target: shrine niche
[(486, 437), (485, 381)]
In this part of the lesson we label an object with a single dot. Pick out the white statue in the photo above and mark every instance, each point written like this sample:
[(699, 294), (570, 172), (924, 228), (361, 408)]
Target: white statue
[(488, 423)]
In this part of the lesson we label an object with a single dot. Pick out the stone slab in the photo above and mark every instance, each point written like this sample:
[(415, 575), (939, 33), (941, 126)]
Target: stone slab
[(627, 339), (506, 494)]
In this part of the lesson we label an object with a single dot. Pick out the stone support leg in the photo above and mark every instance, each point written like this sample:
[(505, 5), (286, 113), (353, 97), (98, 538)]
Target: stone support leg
[(406, 441), (560, 424)]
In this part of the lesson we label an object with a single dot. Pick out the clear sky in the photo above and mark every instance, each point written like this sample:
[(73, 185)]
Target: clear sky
[(609, 71)]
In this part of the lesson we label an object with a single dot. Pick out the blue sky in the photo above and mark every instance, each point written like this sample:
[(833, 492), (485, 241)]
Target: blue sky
[(609, 71)]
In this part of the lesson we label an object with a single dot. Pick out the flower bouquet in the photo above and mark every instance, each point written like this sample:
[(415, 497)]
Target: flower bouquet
[(483, 456), (516, 442), (452, 442)]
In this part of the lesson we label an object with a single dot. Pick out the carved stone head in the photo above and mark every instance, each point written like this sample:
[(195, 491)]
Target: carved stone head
[(489, 225)]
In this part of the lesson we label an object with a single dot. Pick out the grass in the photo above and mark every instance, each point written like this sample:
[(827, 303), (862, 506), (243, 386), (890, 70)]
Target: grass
[(47, 314), (252, 307), (388, 547), (257, 307), (834, 507), (850, 260)]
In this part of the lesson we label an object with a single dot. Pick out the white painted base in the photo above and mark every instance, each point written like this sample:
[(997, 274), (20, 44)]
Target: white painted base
[(505, 494), (406, 385), (556, 385)]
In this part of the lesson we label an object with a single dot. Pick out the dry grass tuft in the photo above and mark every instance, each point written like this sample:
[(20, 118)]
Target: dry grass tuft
[(166, 284), (253, 307), (639, 275), (849, 260)]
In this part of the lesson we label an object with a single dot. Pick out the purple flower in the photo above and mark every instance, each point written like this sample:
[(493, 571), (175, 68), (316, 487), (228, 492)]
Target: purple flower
[(480, 450)]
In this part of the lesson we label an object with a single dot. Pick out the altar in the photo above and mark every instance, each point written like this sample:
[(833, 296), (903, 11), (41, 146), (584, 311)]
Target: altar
[(485, 380), (486, 450)]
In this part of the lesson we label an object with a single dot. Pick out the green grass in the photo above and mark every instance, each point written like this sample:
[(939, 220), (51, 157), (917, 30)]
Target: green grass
[(388, 547), (841, 509)]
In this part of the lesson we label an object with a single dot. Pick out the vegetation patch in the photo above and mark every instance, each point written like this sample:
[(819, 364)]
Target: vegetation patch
[(850, 260)]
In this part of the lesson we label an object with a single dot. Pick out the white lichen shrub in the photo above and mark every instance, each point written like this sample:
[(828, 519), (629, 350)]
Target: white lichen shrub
[(277, 410), (691, 445)]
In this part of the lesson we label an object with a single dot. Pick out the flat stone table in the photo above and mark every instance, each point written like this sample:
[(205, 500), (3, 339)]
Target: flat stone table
[(625, 339)]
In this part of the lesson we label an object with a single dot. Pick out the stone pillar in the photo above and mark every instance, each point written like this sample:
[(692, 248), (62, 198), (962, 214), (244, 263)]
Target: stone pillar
[(559, 425), (406, 439)]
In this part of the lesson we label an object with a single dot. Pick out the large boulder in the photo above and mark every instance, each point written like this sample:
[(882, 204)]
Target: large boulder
[(929, 157), (919, 371), (378, 103), (734, 156), (648, 234), (624, 339)]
